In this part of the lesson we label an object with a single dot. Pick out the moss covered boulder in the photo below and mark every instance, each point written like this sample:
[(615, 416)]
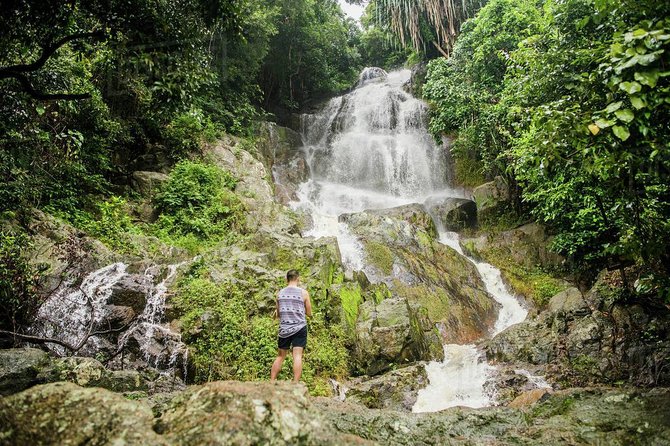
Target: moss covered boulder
[(423, 271), (66, 414)]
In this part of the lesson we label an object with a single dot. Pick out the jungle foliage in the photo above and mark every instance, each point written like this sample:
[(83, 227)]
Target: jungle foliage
[(570, 100)]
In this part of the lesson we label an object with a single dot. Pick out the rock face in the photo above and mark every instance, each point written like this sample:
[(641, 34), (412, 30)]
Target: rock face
[(131, 291), (455, 214), (414, 214), (584, 339), (395, 390), (281, 151), (426, 273), (20, 368), (393, 332), (527, 245), (253, 188), (492, 198), (147, 183)]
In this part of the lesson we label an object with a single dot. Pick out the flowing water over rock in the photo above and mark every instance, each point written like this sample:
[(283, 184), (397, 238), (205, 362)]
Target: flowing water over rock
[(123, 313), (460, 379), (370, 149)]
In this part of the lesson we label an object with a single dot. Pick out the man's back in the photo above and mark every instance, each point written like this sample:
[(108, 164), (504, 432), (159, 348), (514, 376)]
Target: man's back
[(291, 306)]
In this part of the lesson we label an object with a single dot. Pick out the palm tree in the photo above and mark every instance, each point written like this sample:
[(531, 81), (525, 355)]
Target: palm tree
[(405, 18)]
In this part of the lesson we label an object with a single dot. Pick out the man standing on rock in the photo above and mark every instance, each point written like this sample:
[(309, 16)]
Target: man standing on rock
[(293, 307)]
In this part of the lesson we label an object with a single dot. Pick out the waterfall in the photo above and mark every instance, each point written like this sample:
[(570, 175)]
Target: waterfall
[(73, 308), (370, 149)]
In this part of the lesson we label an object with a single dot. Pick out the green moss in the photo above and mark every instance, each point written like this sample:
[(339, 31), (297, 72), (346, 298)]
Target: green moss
[(532, 283), (351, 298), (380, 256)]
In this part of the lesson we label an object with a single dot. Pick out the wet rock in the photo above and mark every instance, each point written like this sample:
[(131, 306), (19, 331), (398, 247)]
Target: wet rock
[(131, 291), (579, 344), (455, 214), (89, 372), (529, 398), (148, 183), (21, 368), (281, 152), (229, 412), (392, 332), (64, 413), (575, 416), (395, 390), (116, 317), (492, 198), (414, 214), (155, 345), (426, 273)]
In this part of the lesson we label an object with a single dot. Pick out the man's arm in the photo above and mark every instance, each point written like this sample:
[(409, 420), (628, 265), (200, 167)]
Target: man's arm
[(308, 303), (276, 313)]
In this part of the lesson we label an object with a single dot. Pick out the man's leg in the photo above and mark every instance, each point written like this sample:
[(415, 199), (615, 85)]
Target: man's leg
[(276, 366), (297, 363)]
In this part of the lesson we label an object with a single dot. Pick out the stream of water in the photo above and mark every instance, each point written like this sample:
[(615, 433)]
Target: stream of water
[(370, 149)]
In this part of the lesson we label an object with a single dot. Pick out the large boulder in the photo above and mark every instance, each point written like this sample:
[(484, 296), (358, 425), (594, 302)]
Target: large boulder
[(414, 214), (229, 412), (454, 214), (492, 198), (427, 273), (393, 332), (21, 368), (66, 414), (131, 291), (587, 339), (147, 183), (395, 390)]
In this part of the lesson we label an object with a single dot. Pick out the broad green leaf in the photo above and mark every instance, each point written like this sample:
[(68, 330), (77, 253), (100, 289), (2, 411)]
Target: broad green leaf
[(649, 78), (630, 87), (604, 123), (614, 106), (621, 132), (640, 33), (637, 102), (626, 115), (594, 129)]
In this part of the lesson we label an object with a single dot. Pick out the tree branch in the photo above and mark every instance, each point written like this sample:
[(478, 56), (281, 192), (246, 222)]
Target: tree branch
[(48, 51), (28, 88)]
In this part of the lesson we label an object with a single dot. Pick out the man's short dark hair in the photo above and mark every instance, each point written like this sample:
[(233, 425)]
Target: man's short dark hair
[(292, 275)]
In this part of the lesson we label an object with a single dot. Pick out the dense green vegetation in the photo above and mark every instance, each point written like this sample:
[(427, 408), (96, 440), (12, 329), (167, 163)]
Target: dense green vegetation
[(570, 101), (90, 91)]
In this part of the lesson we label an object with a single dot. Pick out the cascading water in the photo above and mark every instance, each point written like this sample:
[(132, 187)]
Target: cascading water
[(72, 309), (370, 149)]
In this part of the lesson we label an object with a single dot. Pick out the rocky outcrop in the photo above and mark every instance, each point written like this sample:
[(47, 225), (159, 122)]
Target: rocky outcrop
[(492, 198), (217, 413), (527, 246), (236, 413), (574, 416), (393, 332), (426, 273), (585, 339), (281, 152), (21, 368), (394, 390), (147, 183), (454, 214), (131, 291), (254, 188)]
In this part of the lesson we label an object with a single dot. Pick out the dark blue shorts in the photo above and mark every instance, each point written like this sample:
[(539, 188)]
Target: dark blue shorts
[(297, 339)]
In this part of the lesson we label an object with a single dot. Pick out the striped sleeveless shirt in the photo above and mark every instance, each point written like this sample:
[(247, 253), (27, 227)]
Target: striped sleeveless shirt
[(291, 311)]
